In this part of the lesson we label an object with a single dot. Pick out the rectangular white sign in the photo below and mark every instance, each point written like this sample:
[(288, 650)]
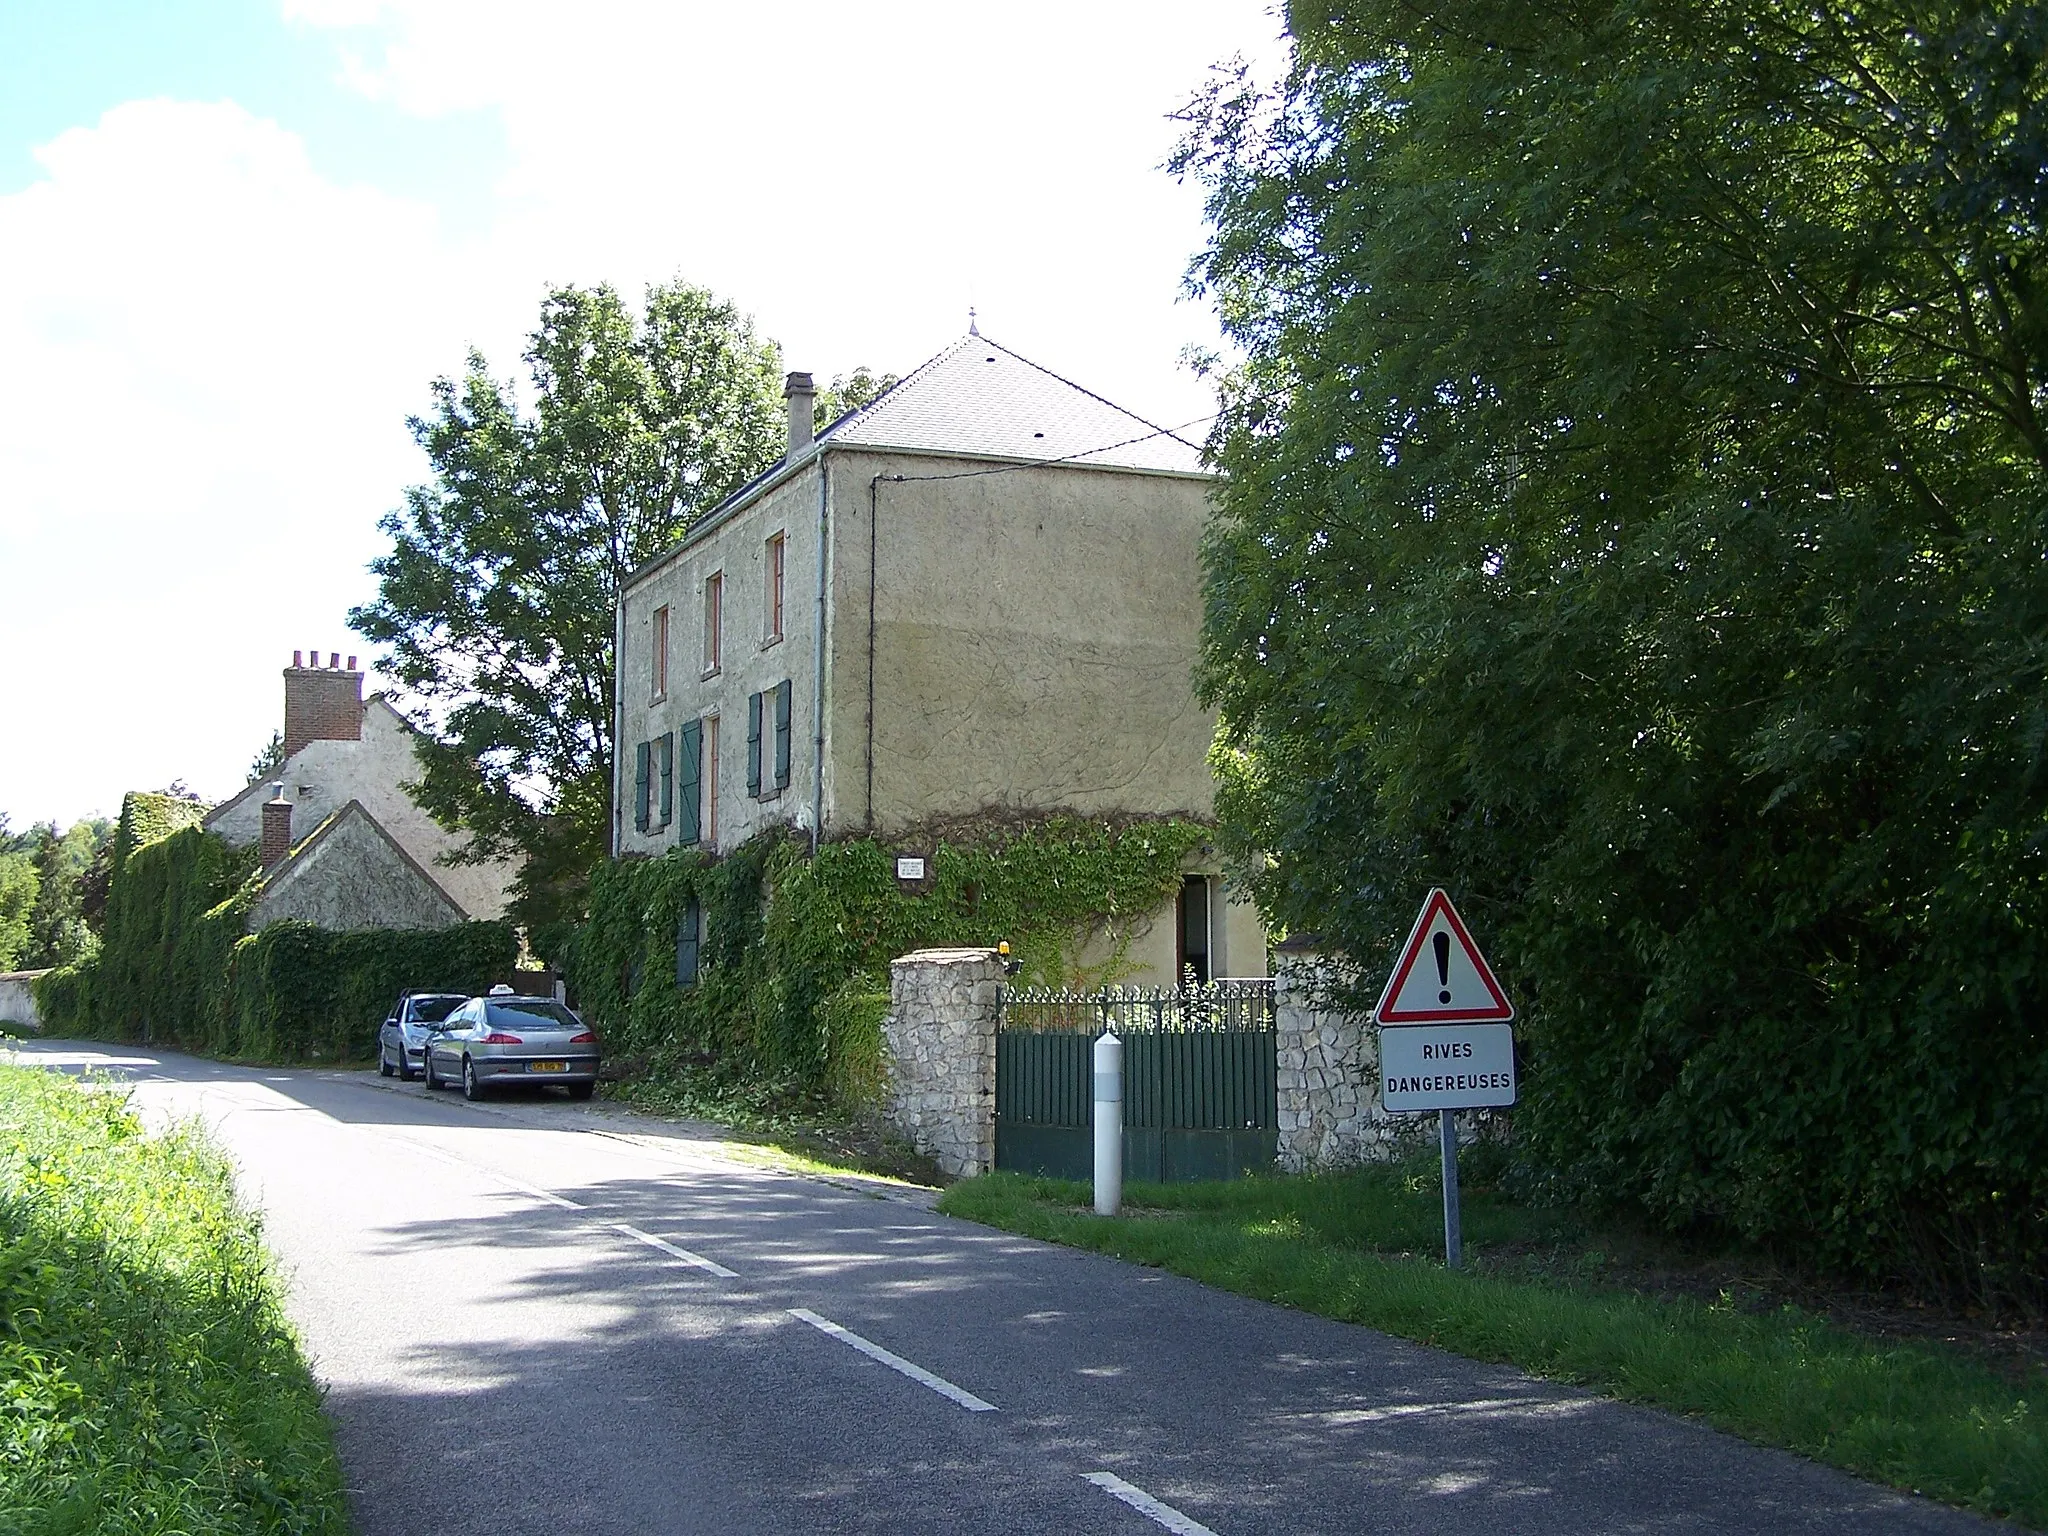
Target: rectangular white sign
[(1447, 1066)]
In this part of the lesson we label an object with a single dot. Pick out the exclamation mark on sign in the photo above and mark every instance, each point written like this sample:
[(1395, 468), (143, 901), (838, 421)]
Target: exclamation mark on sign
[(1443, 966)]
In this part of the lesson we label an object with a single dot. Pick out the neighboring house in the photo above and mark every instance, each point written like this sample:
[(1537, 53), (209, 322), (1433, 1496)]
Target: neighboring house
[(342, 843), (980, 592)]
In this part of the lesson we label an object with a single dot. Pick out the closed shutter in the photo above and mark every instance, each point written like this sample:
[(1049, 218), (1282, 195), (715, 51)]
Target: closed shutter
[(665, 756), (690, 782), (688, 929), (754, 744), (643, 758), (782, 691)]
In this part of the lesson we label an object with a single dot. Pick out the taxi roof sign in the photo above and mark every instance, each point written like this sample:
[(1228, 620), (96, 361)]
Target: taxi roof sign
[(1441, 978)]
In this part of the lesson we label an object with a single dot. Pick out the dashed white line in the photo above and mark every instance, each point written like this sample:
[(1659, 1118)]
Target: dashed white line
[(709, 1265), (1151, 1508), (895, 1362)]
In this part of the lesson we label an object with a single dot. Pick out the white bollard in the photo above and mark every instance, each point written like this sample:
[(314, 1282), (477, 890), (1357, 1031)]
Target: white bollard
[(1109, 1124)]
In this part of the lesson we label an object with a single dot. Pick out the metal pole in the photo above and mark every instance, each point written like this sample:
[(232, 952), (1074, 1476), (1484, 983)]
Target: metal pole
[(1109, 1124), (1454, 1237)]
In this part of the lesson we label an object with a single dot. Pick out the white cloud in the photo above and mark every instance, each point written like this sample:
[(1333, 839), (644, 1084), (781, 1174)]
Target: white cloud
[(212, 347)]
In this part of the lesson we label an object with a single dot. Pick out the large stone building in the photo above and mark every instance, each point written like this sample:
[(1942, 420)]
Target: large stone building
[(980, 592), (342, 842)]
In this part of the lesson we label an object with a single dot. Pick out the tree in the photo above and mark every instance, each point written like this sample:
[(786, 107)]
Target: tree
[(495, 601), (58, 931), (849, 392), (269, 760), (1635, 521), (17, 901)]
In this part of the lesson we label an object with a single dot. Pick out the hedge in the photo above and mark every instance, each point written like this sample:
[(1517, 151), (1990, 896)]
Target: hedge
[(176, 965), (793, 963)]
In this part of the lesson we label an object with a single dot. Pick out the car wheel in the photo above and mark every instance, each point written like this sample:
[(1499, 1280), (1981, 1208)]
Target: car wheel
[(405, 1071), (471, 1088), (433, 1077), (580, 1090), (384, 1067)]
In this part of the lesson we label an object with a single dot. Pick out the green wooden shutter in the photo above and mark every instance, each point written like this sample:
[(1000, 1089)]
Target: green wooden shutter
[(782, 734), (688, 928), (690, 783), (642, 772), (665, 755), (754, 744)]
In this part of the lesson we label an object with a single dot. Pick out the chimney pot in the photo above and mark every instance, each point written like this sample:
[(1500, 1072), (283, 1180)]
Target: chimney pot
[(351, 663), (333, 660), (801, 396), (298, 658)]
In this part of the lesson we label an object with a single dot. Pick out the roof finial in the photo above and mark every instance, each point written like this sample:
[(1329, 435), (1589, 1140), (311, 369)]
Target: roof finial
[(973, 328)]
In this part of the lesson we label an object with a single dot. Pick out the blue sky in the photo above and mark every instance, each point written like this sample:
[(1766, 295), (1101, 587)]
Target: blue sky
[(239, 238)]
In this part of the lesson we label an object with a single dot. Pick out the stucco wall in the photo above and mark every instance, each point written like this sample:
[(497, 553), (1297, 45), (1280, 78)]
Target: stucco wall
[(750, 662), (352, 879), (17, 999), (1036, 632), (323, 776)]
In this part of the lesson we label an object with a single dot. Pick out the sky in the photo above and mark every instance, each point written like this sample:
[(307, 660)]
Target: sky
[(240, 238)]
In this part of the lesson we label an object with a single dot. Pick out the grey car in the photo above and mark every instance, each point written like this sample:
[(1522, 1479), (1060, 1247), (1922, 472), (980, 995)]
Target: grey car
[(504, 1039), (402, 1039)]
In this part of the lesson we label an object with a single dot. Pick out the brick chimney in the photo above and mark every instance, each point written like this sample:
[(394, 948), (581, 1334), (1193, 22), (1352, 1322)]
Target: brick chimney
[(277, 826), (801, 395), (322, 703)]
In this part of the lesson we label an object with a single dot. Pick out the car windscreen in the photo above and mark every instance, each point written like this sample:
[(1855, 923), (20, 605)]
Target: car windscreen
[(432, 1010), (532, 1013)]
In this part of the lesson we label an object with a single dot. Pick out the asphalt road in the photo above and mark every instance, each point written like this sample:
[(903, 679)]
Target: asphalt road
[(763, 1352)]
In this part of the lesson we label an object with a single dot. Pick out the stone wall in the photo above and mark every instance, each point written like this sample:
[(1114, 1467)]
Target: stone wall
[(940, 1038), (17, 998), (1330, 1113)]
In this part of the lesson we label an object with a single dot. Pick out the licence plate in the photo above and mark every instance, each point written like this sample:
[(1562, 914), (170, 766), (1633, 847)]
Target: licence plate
[(547, 1066)]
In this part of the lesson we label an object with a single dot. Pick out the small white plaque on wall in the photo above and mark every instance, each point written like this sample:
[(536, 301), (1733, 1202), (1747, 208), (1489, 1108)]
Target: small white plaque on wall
[(908, 868)]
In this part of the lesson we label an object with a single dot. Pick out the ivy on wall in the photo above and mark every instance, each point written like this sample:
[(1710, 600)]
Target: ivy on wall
[(176, 966), (794, 949)]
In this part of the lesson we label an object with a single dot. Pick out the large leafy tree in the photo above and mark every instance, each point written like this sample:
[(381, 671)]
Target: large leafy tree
[(1636, 523), (495, 602)]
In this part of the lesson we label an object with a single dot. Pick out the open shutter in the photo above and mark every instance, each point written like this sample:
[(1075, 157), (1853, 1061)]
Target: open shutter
[(643, 762), (690, 782), (754, 744), (688, 929), (665, 756), (782, 692)]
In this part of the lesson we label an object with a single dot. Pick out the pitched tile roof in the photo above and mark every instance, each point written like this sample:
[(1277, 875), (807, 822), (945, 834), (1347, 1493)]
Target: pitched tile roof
[(977, 397)]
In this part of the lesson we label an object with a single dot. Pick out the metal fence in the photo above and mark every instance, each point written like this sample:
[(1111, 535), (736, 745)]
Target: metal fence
[(1228, 1004)]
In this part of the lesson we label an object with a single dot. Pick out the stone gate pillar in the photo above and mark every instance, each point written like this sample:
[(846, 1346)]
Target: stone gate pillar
[(1330, 1113), (940, 1035)]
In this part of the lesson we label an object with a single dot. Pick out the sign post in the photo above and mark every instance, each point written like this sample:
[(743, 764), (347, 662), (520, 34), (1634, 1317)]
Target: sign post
[(1445, 1041)]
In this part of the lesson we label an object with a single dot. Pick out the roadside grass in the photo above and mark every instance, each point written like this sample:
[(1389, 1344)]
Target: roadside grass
[(1920, 1417), (149, 1382), (807, 1130)]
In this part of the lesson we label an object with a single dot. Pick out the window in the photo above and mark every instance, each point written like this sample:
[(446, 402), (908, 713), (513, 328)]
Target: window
[(782, 734), (768, 731), (1193, 926), (714, 621), (711, 780), (643, 776), (778, 550), (660, 667), (690, 785), (754, 745), (665, 763), (689, 938)]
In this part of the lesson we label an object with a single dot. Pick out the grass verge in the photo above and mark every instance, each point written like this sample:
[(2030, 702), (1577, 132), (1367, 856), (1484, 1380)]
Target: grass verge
[(810, 1129), (1912, 1415), (149, 1382)]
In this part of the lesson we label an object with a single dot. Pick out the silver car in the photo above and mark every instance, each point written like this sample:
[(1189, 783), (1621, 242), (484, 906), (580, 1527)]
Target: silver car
[(503, 1039), (402, 1038)]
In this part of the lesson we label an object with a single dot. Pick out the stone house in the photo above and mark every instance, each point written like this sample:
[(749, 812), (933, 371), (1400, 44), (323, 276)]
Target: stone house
[(979, 592), (343, 844)]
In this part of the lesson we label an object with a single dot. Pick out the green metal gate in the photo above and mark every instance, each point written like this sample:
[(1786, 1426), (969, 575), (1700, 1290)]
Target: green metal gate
[(1201, 1071)]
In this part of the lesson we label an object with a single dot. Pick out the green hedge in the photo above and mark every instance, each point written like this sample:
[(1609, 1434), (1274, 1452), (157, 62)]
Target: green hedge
[(794, 962), (177, 967)]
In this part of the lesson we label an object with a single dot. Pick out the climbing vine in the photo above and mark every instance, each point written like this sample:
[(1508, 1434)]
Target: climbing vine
[(794, 948)]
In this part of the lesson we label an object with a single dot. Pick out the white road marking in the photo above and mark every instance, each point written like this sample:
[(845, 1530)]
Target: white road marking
[(895, 1362), (673, 1251), (1146, 1505)]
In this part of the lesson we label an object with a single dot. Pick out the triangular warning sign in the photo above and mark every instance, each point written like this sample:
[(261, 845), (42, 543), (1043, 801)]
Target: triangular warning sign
[(1441, 978)]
